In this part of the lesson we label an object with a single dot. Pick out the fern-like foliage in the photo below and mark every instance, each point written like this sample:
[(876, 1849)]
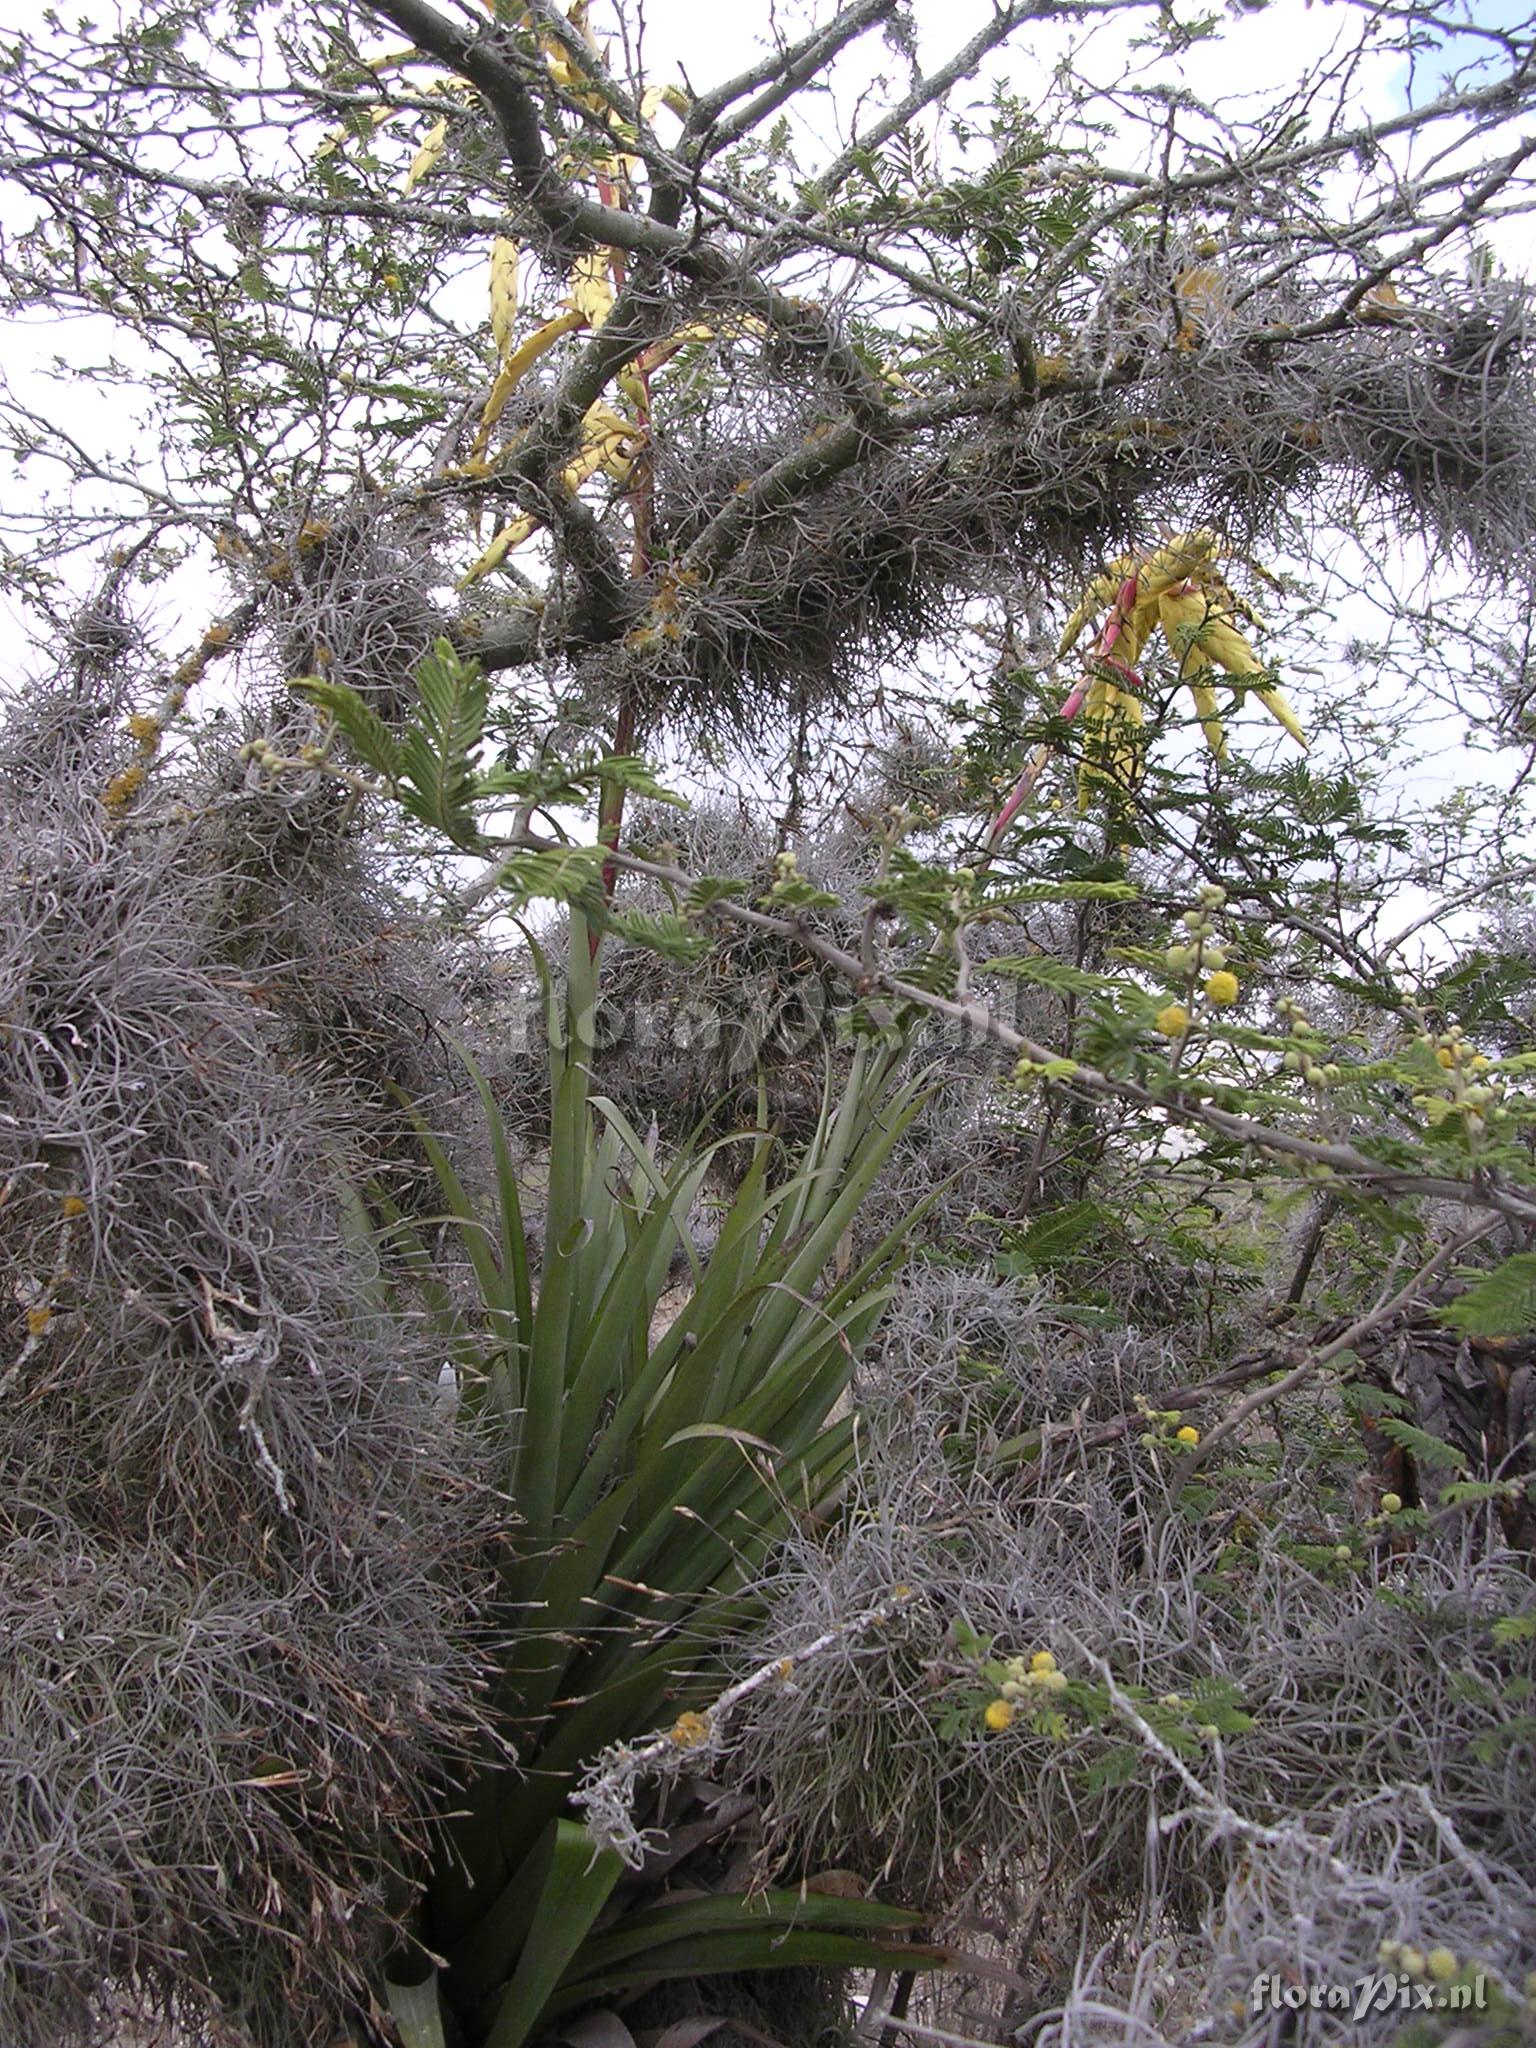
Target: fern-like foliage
[(1431, 1452), (559, 874), (1499, 1304), (370, 738), (437, 750)]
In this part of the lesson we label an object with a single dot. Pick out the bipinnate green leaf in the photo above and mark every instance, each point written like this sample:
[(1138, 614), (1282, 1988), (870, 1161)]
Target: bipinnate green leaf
[(370, 738), (1498, 1304), (437, 750)]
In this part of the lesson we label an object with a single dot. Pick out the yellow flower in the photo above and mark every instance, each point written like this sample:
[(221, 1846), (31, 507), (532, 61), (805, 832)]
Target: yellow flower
[(1221, 990), (999, 1715), (38, 1320), (1172, 1020), (1441, 1963), (1412, 1961), (689, 1730), (1188, 1435), (73, 1206), (1391, 1503), (1042, 1660)]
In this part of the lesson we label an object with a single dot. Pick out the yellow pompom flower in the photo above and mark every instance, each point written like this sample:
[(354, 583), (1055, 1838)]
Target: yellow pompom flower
[(1441, 1964), (999, 1715), (1221, 990), (1042, 1660), (689, 1730), (1188, 1435), (1172, 1020)]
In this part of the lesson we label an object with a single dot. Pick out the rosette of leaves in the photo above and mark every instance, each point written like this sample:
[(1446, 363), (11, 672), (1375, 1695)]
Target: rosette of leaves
[(652, 1472)]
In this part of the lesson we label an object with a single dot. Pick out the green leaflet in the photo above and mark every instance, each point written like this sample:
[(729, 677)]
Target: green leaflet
[(437, 767), (371, 738), (1497, 1304)]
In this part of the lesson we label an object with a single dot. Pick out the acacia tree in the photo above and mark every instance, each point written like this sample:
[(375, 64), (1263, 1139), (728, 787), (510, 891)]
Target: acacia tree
[(548, 420)]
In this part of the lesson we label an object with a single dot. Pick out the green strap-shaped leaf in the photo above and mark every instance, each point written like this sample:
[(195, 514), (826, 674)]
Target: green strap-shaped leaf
[(569, 1893), (417, 2013)]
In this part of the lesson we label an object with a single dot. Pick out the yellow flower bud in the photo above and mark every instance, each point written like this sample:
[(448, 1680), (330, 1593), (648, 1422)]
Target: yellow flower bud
[(1412, 1961), (1222, 990), (1042, 1660), (1391, 1503), (1441, 1964), (999, 1715), (1172, 1020)]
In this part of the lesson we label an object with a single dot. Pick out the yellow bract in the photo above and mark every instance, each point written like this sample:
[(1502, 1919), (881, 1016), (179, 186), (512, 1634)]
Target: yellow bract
[(1178, 588), (427, 158), (591, 286), (512, 535), (1114, 717), (516, 368), (504, 255)]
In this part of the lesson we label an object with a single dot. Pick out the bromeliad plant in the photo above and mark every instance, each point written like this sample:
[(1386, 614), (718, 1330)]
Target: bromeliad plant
[(651, 1473)]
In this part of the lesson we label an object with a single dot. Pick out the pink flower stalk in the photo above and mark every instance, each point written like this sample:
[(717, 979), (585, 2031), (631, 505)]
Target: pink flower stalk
[(1103, 653)]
